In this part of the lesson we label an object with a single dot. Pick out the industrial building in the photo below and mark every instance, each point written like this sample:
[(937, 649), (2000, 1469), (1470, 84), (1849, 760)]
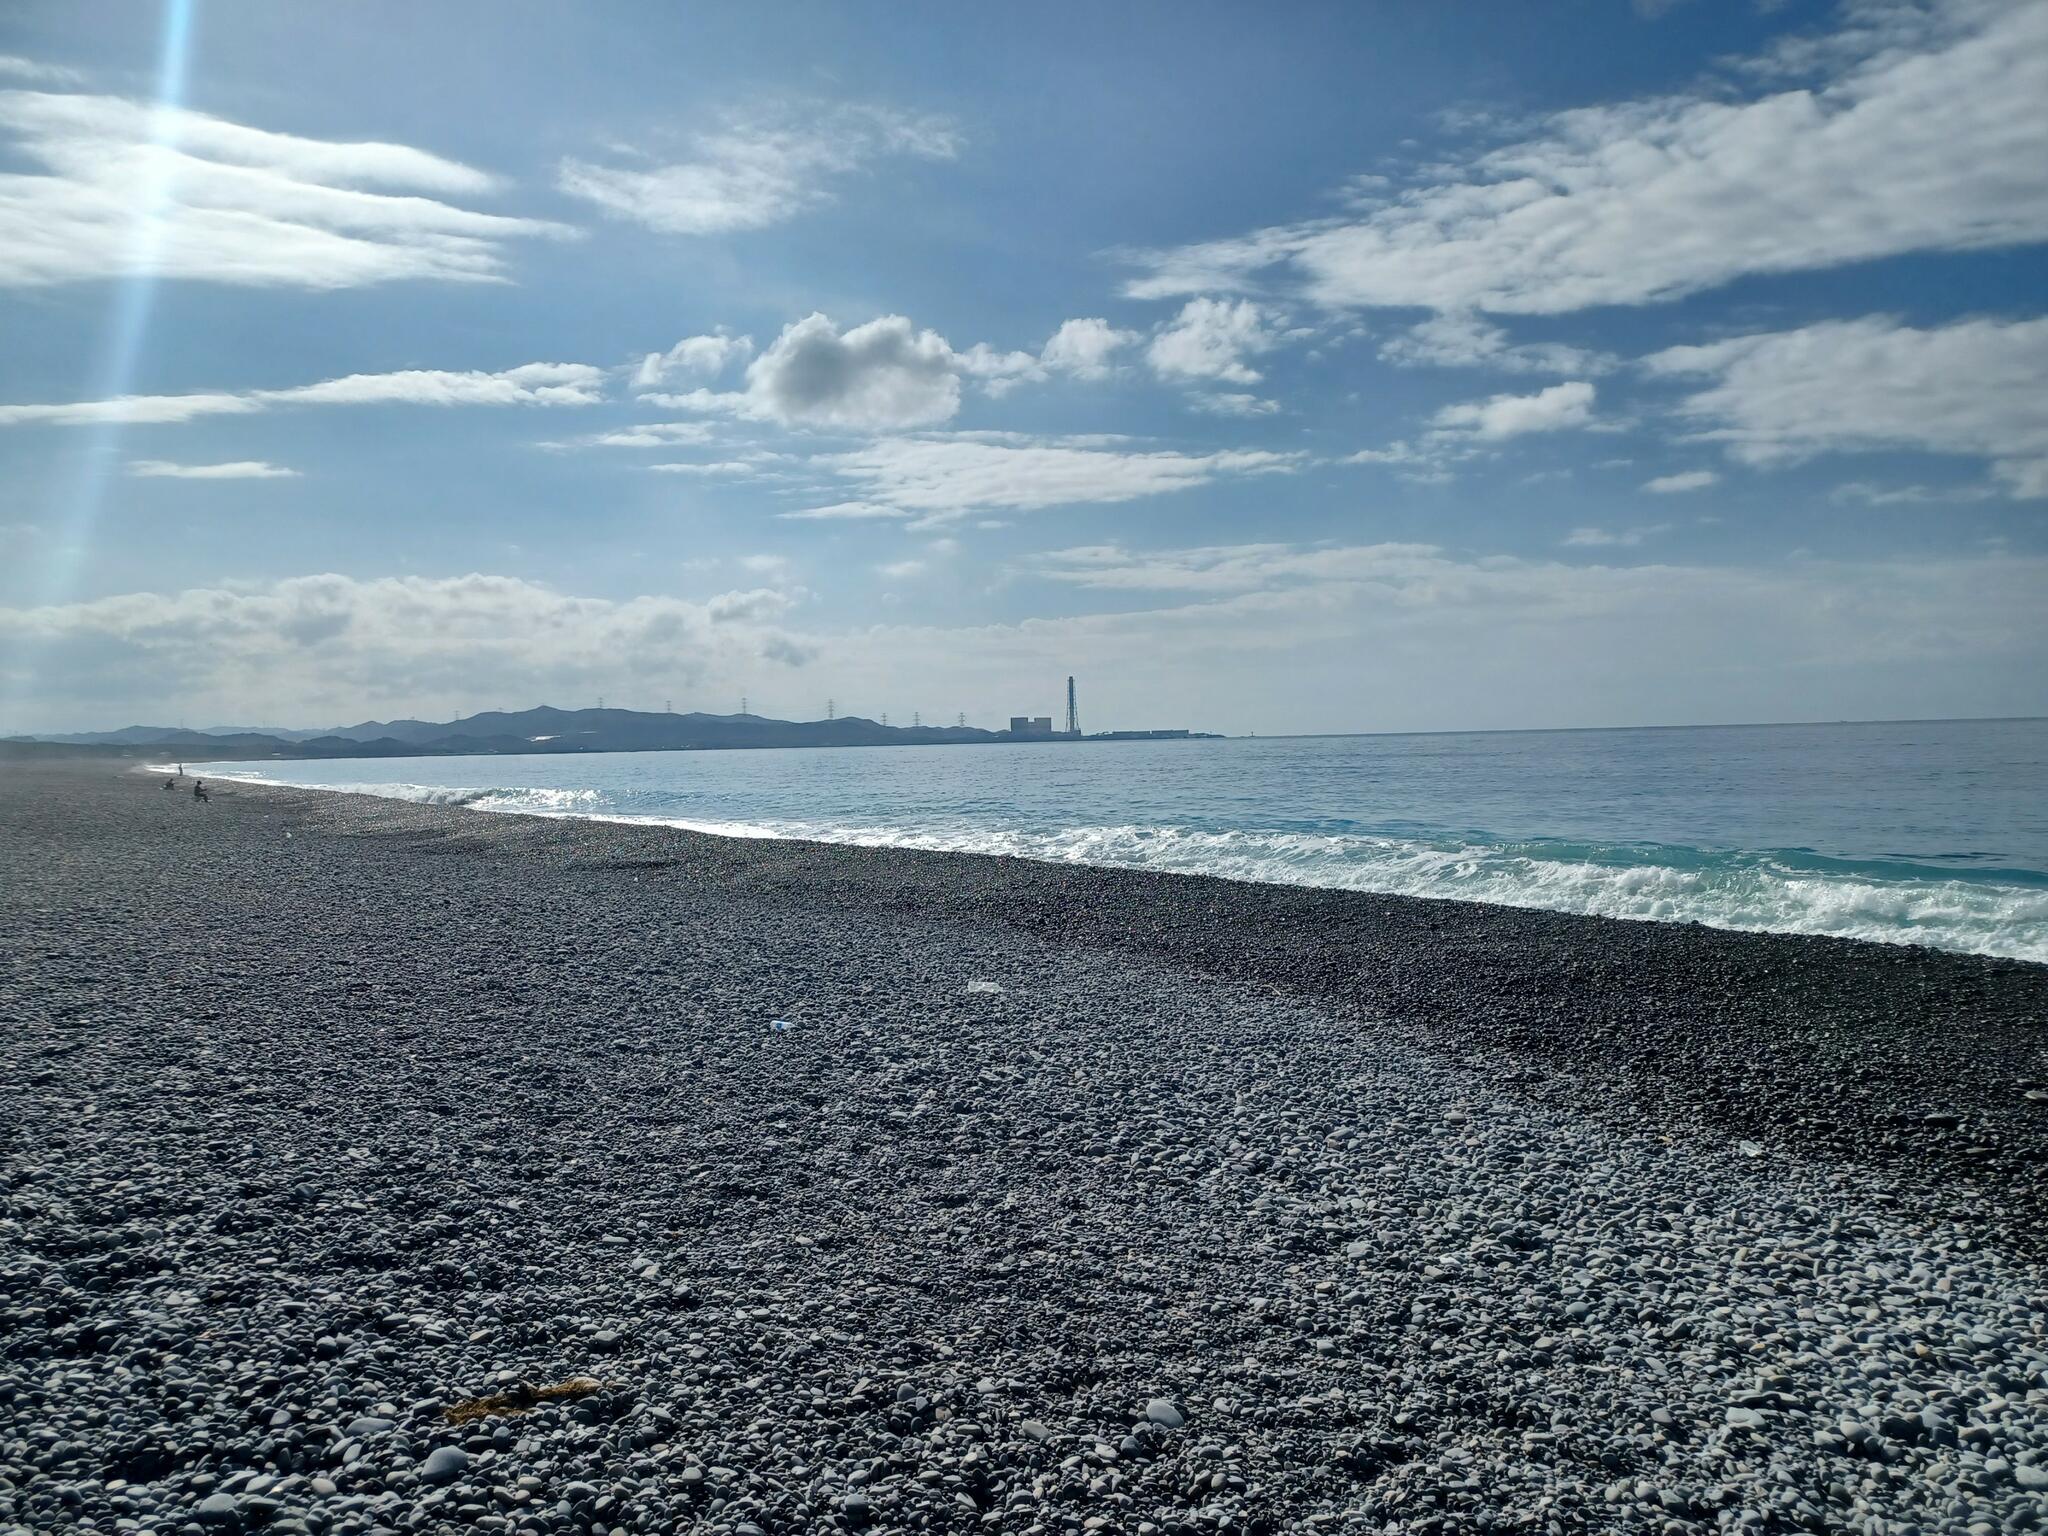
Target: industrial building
[(1039, 727)]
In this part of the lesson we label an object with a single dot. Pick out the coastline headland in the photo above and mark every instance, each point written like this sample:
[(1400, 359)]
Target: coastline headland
[(839, 1188)]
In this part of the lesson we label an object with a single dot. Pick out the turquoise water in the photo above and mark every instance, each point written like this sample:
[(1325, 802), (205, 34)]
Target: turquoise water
[(1927, 832)]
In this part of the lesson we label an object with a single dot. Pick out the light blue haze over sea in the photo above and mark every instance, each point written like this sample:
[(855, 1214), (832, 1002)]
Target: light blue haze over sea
[(1931, 832)]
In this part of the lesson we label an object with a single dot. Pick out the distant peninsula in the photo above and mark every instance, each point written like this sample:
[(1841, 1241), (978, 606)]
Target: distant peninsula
[(544, 729)]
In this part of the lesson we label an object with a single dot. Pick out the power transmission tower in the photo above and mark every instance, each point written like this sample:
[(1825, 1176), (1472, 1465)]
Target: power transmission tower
[(600, 701), (831, 709), (885, 717), (916, 719), (962, 719), (668, 706), (743, 703)]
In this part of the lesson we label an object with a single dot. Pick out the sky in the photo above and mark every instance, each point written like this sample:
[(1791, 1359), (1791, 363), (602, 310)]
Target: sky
[(1349, 367)]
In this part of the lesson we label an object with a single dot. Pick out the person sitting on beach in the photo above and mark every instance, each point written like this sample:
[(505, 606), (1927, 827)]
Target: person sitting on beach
[(199, 789), (170, 783)]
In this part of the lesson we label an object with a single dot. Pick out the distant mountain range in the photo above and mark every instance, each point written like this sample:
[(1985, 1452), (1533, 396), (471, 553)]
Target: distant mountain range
[(527, 730)]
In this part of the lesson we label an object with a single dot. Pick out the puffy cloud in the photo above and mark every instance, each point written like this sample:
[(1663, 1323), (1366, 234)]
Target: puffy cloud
[(1085, 347), (718, 467), (948, 477), (883, 376), (528, 384), (1684, 480), (1976, 387), (1210, 339), (241, 469), (129, 188), (342, 649), (1554, 409), (695, 357), (1924, 135), (753, 174)]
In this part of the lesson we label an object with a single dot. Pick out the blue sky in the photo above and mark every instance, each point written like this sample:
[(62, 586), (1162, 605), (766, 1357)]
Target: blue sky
[(1396, 367)]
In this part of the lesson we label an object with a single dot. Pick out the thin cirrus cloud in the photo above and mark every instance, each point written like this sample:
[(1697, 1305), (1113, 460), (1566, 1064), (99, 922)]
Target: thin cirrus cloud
[(544, 384), (1612, 538), (1938, 146), (1972, 388), (239, 469), (752, 174), (939, 479), (131, 189), (1683, 481), (1469, 341)]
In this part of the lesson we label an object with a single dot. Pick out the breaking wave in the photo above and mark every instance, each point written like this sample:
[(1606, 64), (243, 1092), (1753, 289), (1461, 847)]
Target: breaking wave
[(2000, 912)]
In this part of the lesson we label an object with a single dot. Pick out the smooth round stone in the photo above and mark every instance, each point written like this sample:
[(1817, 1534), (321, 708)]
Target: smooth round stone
[(1164, 1414), (220, 1512), (444, 1464)]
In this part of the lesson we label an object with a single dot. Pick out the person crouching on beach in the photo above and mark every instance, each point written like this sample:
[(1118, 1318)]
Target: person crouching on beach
[(199, 789)]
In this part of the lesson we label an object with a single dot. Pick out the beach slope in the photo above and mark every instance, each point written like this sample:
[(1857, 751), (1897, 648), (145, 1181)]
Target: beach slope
[(866, 1189)]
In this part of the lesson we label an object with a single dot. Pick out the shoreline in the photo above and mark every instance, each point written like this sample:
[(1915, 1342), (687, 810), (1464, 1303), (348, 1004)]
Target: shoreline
[(1399, 1211), (1592, 887)]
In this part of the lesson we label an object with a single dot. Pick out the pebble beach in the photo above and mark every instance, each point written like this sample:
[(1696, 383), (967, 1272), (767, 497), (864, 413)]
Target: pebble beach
[(372, 1167)]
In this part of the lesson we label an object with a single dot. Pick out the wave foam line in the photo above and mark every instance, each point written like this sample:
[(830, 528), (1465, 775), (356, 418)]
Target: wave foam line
[(1744, 892)]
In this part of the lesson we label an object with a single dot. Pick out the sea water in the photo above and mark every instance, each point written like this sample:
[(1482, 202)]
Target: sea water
[(1931, 832)]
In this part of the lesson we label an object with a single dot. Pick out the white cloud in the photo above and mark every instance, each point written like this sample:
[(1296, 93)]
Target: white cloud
[(695, 357), (528, 384), (42, 74), (883, 376), (342, 649), (844, 511), (127, 188), (1601, 538), (1085, 347), (1467, 341), (1684, 480), (948, 477), (721, 467), (241, 469), (651, 434), (1234, 567), (999, 372), (752, 174), (1873, 495), (1977, 387), (901, 570), (1232, 403), (1555, 409), (1211, 338), (1928, 138)]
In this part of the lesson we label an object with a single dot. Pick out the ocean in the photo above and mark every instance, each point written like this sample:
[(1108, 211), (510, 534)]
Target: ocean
[(1923, 832)]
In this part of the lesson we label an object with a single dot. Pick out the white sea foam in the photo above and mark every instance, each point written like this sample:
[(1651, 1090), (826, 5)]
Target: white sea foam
[(2011, 921), (1738, 892)]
